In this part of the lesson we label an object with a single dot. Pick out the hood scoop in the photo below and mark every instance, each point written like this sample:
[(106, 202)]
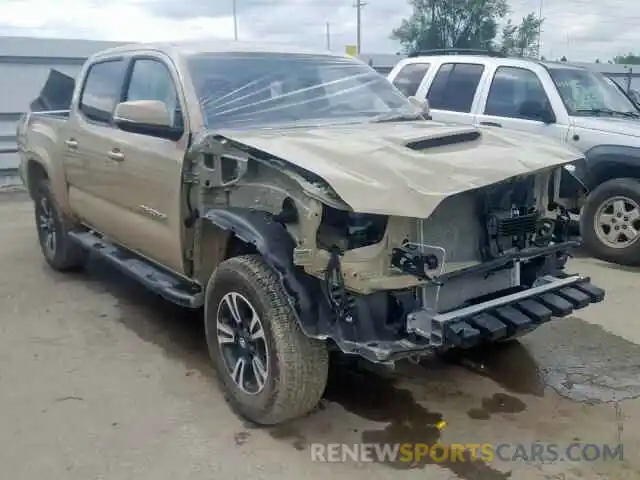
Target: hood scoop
[(444, 140)]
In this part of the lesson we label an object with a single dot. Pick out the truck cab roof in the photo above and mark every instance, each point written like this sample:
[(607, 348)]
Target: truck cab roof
[(484, 57), (186, 48)]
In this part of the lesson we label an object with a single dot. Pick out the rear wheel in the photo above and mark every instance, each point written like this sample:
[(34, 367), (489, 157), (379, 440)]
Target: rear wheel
[(270, 371), (610, 221), (60, 252)]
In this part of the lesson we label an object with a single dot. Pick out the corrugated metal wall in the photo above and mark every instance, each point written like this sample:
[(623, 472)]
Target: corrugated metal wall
[(24, 67)]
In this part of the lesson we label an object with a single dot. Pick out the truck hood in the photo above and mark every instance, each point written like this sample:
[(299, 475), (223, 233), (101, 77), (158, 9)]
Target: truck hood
[(620, 126), (406, 168)]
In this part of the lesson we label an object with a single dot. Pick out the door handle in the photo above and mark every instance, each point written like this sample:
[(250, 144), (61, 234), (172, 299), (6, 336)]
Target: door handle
[(116, 155), (71, 143), (491, 124)]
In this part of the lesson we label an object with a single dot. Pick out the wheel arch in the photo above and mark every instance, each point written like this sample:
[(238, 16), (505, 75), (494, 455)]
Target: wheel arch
[(34, 171), (253, 231), (606, 162), (40, 164)]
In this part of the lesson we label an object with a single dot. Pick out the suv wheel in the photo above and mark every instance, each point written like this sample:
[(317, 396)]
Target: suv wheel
[(610, 221), (60, 252), (270, 371)]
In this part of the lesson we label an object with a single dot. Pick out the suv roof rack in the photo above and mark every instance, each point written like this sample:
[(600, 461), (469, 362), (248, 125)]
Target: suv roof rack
[(457, 51)]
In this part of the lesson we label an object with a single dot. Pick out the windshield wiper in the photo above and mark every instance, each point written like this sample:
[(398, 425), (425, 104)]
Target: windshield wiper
[(396, 117), (608, 111)]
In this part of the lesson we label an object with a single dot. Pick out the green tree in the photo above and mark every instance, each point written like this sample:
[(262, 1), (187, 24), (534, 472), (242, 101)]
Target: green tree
[(629, 58), (450, 24), (521, 40), (437, 24)]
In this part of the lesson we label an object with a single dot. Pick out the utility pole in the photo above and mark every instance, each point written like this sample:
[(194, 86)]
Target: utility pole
[(358, 5), (328, 36), (540, 29), (235, 21)]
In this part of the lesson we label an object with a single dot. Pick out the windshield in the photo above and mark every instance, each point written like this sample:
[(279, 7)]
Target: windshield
[(588, 93), (262, 89)]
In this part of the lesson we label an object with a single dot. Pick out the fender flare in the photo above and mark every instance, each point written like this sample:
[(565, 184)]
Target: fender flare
[(276, 246), (602, 157)]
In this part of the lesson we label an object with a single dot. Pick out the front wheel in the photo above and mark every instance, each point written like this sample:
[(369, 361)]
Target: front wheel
[(270, 371), (610, 221)]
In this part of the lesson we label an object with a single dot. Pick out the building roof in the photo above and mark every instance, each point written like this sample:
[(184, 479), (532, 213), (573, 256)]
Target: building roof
[(29, 47)]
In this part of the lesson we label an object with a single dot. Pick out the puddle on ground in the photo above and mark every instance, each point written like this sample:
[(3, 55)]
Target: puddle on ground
[(579, 360), (377, 398), (511, 365), (498, 403)]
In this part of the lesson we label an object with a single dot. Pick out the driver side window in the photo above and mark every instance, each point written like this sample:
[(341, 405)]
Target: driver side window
[(516, 93), (151, 80)]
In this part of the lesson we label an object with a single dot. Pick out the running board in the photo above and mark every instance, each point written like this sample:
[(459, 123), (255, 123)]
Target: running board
[(166, 284)]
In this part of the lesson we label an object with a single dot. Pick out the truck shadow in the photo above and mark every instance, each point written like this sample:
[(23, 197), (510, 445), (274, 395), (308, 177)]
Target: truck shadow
[(369, 393)]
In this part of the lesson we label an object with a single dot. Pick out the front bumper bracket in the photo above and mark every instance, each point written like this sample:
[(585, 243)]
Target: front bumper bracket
[(505, 317)]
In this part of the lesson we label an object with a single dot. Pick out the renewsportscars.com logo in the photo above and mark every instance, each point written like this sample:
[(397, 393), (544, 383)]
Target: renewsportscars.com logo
[(465, 452)]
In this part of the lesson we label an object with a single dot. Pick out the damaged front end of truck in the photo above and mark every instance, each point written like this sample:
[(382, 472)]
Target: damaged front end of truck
[(396, 241)]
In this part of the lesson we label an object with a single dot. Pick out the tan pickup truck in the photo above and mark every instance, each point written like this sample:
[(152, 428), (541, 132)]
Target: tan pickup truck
[(306, 204)]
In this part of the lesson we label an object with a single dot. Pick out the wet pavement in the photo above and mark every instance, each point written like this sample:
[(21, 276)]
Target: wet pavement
[(101, 379)]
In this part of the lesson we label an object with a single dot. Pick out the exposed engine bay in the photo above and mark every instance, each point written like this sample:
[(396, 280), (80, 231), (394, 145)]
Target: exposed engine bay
[(474, 244), (391, 286)]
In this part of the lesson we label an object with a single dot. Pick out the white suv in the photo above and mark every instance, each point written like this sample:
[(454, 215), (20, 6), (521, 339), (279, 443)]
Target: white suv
[(576, 106)]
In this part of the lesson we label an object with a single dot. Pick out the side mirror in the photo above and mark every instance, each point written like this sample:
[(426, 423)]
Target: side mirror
[(537, 111), (421, 104), (147, 117)]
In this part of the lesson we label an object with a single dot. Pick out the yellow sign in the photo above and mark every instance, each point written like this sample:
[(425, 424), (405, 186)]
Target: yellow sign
[(351, 50)]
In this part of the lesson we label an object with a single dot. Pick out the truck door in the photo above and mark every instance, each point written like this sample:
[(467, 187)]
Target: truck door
[(453, 92), (149, 168), (90, 173), (516, 99)]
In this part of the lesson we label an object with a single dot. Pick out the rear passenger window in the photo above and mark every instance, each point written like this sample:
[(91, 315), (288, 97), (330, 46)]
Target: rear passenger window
[(101, 90), (454, 87), (410, 77), (514, 93)]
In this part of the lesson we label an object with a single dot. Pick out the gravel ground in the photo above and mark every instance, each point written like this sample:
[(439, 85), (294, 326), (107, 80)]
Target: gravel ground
[(102, 380)]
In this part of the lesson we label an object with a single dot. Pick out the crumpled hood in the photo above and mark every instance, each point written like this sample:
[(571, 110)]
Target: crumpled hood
[(620, 126), (371, 168)]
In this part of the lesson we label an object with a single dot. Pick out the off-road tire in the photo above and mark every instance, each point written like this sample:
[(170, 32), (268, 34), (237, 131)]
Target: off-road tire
[(298, 365), (624, 187), (66, 255)]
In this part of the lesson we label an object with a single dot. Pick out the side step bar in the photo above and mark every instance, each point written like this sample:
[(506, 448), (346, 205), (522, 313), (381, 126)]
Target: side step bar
[(505, 317), (171, 287)]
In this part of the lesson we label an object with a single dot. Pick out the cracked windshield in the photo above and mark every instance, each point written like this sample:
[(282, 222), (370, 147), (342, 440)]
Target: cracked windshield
[(314, 239)]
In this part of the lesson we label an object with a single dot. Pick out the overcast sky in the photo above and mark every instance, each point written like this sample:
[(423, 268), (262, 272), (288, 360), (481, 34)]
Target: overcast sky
[(580, 29)]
